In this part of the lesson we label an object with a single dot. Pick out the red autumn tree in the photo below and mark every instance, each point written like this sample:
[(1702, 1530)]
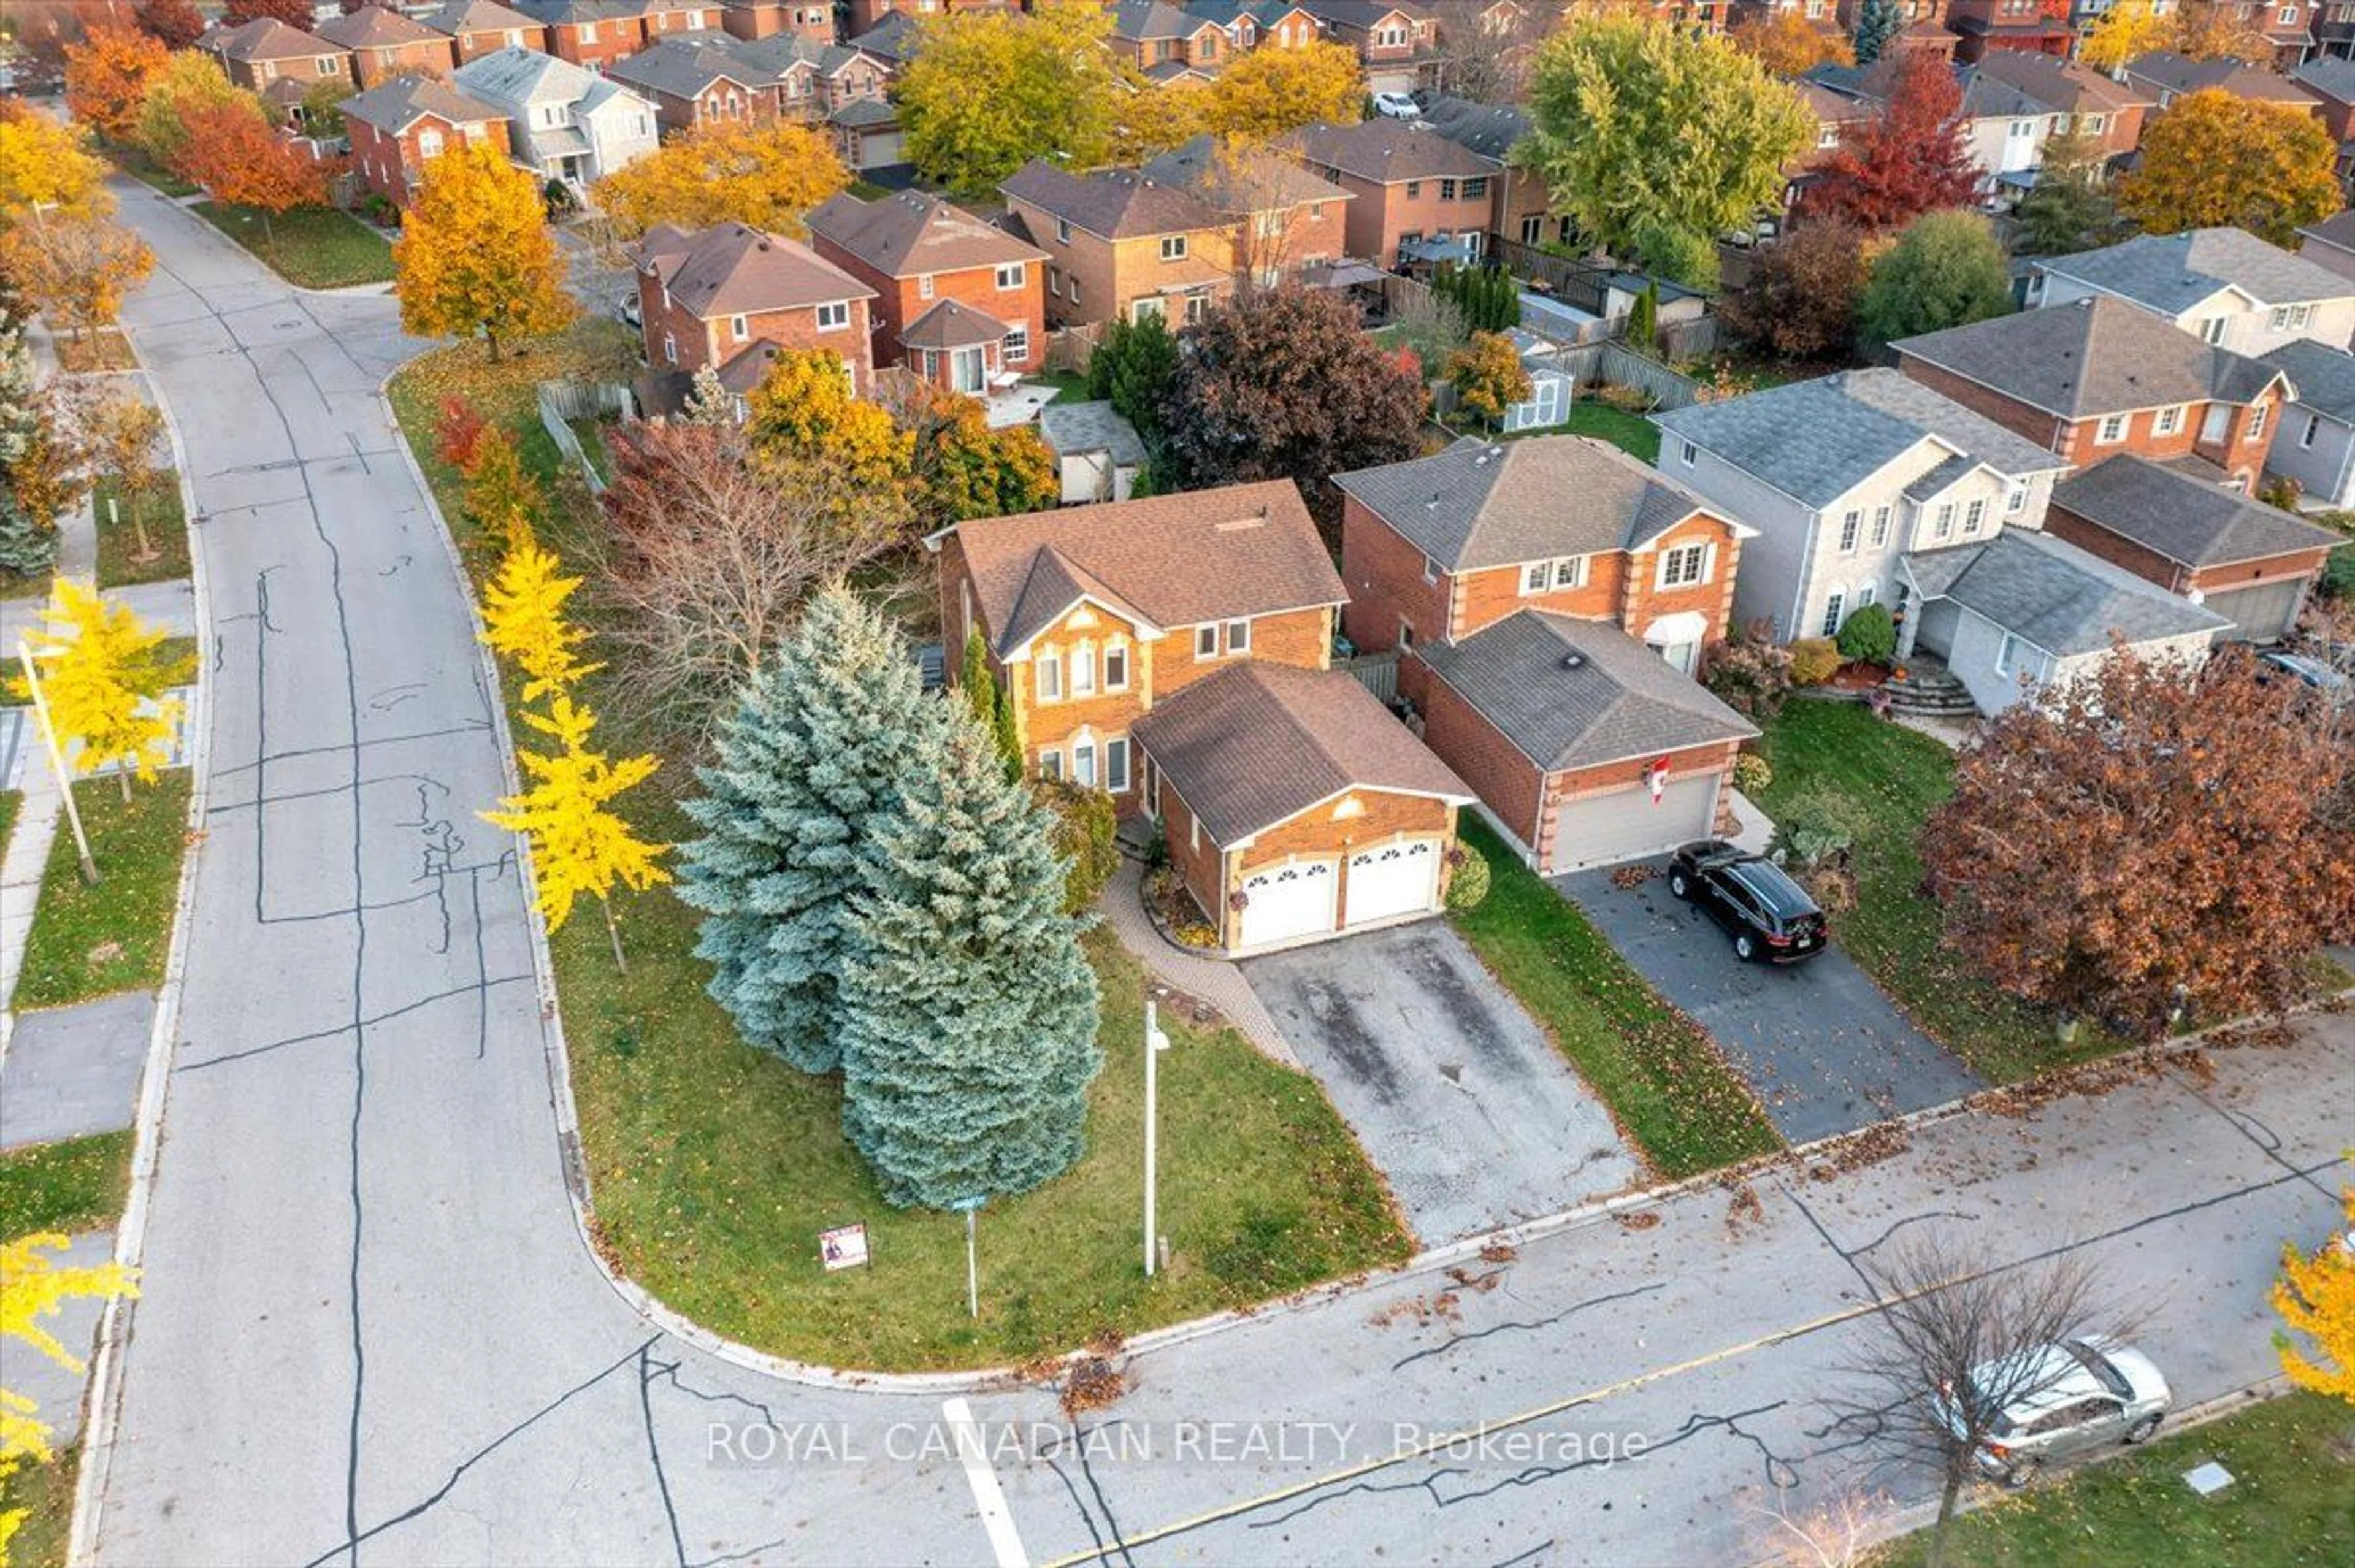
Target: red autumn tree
[(2151, 837), (1800, 297), (235, 155), (107, 75), (293, 13), (1909, 159), (178, 22)]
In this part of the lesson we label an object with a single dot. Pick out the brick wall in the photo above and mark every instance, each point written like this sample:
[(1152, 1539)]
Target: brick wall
[(433, 59), (1333, 828), (1507, 781), (1303, 638), (694, 342), (2090, 537), (1200, 863), (1384, 574), (390, 167), (1631, 777), (902, 300), (473, 45), (1712, 599), (2045, 429), (330, 64), (1381, 215), (617, 39)]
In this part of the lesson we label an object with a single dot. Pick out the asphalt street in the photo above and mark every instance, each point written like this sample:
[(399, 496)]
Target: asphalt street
[(371, 1333)]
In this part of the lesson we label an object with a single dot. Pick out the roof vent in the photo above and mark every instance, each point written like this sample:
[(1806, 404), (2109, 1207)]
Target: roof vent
[(1574, 659), (1496, 452)]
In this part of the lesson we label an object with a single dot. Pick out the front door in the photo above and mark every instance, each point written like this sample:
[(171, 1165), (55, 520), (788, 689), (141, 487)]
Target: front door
[(967, 372)]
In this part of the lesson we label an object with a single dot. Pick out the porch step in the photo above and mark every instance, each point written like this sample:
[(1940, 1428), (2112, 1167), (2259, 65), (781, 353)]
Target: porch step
[(1133, 837), (1930, 692)]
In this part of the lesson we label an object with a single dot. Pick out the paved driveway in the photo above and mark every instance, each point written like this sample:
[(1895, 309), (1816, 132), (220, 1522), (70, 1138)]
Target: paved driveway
[(1827, 1051), (1455, 1092)]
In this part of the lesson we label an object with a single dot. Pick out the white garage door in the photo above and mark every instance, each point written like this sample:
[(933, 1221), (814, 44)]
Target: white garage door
[(2261, 613), (1397, 878), (1627, 824), (1286, 901), (879, 149)]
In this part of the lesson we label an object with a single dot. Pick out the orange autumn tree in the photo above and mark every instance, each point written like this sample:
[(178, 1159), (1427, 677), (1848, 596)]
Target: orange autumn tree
[(476, 257), (75, 269), (1787, 44), (107, 75), (244, 163), (2216, 161)]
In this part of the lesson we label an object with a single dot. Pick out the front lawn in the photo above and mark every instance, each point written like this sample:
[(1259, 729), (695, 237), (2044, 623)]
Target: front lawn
[(311, 247), (1663, 1078), (2291, 1503), (119, 559), (1630, 432), (79, 1184), (98, 350), (46, 1494), (87, 942), (1890, 778), (135, 161)]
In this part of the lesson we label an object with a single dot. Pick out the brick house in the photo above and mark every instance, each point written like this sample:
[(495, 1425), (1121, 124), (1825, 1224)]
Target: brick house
[(2331, 79), (940, 274), (1176, 652), (1407, 182), (1992, 26), (1281, 217), (384, 44), (478, 28), (2251, 563), (1549, 599), (1166, 41), (2224, 286), (2167, 76), (1120, 245), (2084, 100), (280, 63), (1524, 206), (2101, 376), (730, 296), (397, 127), (866, 14), (591, 33), (2286, 26), (695, 83), (754, 19), (1393, 40)]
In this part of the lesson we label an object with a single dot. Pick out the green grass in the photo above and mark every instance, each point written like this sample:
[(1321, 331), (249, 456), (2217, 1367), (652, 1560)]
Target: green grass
[(77, 1185), (11, 802), (311, 247), (47, 1493), (1892, 778), (1071, 386), (135, 161), (1631, 432), (168, 534), (1662, 1076), (2292, 1502), (868, 190), (591, 434), (87, 942)]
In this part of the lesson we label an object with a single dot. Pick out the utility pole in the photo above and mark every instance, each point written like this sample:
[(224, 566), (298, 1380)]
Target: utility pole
[(57, 761), (1156, 1042)]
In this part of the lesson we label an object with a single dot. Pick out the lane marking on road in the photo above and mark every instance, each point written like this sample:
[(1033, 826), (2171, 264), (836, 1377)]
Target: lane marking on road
[(979, 1474)]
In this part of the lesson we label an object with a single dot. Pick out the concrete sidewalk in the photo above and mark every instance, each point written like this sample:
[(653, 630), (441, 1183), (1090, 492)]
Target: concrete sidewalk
[(1200, 975)]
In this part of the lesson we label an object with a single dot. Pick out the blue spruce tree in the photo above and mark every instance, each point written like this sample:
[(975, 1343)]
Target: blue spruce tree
[(809, 766), (1878, 23), (970, 1023)]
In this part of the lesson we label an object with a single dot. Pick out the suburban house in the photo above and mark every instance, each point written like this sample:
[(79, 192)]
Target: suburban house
[(397, 127), (892, 39), (2168, 76), (696, 83), (564, 123), (1411, 188), (2101, 376), (2331, 79), (1989, 27), (591, 33), (1394, 41), (1120, 245), (2285, 25), (2224, 286), (728, 296), (1176, 652), (1524, 206), (2331, 242), (867, 135), (960, 302), (2082, 99), (1281, 217), (751, 19), (478, 28), (1842, 477), (1098, 455), (1259, 24), (384, 44), (2316, 448), (2240, 558), (866, 15), (1166, 41), (280, 63), (1549, 600)]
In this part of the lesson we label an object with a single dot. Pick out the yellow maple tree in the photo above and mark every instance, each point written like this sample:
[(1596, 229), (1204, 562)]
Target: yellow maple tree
[(47, 171), (502, 496), (78, 269), (182, 88), (579, 842), (524, 620), (474, 256), (2218, 160), (105, 675), (1270, 92), (763, 176), (32, 1288), (2127, 30), (805, 410), (2316, 1296)]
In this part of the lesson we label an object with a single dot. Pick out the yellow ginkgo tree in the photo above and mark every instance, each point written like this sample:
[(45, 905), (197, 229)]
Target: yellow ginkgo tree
[(104, 675), (579, 842), (524, 620), (2316, 1296), (32, 1287)]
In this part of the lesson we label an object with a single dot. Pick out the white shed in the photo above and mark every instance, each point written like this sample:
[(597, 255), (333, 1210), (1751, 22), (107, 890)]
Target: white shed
[(1097, 454)]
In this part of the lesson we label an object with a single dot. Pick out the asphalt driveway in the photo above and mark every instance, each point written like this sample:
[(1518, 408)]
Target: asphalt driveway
[(1454, 1091), (1823, 1048)]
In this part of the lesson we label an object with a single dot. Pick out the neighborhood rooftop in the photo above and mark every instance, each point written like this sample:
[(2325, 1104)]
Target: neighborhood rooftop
[(1386, 151), (394, 106), (2172, 272), (908, 234), (2324, 376), (2177, 516), (2064, 600), (2097, 355), (1090, 427), (1114, 204), (732, 269)]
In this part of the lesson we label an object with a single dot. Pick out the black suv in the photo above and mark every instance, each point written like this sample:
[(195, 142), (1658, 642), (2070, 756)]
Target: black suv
[(1769, 916)]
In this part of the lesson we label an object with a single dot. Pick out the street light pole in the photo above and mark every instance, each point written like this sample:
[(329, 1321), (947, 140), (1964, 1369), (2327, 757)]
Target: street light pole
[(1156, 1042), (57, 761)]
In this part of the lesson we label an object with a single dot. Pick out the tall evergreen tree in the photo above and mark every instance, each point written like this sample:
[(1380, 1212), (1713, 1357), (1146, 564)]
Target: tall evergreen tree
[(1878, 23), (809, 766), (969, 1040)]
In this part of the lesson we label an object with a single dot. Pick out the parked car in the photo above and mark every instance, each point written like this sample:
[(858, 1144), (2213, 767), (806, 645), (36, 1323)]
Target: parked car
[(1397, 106), (626, 309), (1768, 915), (2074, 1396), (2304, 670)]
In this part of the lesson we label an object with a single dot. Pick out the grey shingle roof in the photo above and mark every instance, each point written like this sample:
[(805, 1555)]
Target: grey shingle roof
[(1474, 506), (893, 39), (2064, 600), (1255, 745), (525, 76), (394, 106), (908, 233), (864, 114), (2324, 376), (1939, 478), (2171, 272), (376, 27), (2337, 230), (264, 39), (1115, 204), (679, 69), (1815, 441), (1244, 179), (1387, 151), (2177, 516), (1066, 428), (1146, 20), (2333, 76), (952, 324), (2097, 355), (2178, 73), (1488, 129), (1618, 698), (459, 17)]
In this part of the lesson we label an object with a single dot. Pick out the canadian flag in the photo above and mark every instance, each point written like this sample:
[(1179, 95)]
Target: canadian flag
[(1657, 776)]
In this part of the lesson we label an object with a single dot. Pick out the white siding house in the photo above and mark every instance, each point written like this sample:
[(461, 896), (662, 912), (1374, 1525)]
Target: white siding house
[(2223, 285)]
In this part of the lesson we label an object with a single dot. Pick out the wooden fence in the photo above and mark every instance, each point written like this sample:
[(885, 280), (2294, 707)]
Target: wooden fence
[(1378, 673), (1071, 347), (560, 401), (1580, 283), (1617, 364)]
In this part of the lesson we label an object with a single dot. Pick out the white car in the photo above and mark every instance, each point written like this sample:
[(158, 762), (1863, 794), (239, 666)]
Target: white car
[(2066, 1399), (1397, 106)]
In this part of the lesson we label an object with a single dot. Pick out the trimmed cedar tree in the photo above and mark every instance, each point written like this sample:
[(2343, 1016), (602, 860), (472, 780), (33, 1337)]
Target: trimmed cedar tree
[(1283, 384), (107, 75), (2215, 160), (178, 23), (1907, 160), (2084, 825), (988, 91), (970, 1040), (765, 176), (1132, 368), (1946, 270), (1799, 299), (476, 257), (809, 767), (1270, 92), (1657, 141)]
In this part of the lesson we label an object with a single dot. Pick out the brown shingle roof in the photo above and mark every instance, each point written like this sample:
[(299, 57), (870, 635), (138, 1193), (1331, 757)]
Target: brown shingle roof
[(908, 234), (1387, 151), (2098, 355), (1240, 180), (377, 27), (394, 106), (1115, 204), (732, 269), (459, 17), (952, 324), (1167, 560), (1258, 743), (267, 38)]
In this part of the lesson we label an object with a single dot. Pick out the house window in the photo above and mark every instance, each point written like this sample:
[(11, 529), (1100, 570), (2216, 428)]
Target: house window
[(1010, 275), (2167, 421), (1414, 190), (1173, 247), (2313, 424), (1075, 288), (1880, 527), (2211, 330), (2016, 499), (1687, 454), (1239, 636), (1943, 524), (1138, 309), (1429, 569), (1973, 516), (1116, 666), (925, 287), (2095, 125), (1018, 344), (1866, 594), (833, 317), (1083, 763), (2256, 424), (1828, 136), (1116, 766), (587, 32), (2009, 654), (1083, 670), (1553, 576), (1851, 526), (1533, 229), (1051, 765), (1832, 608), (1476, 188), (1447, 190), (670, 349), (2111, 430), (1198, 307), (737, 328), (2299, 315), (1050, 676), (2280, 318), (1205, 642), (1684, 565), (1062, 232), (429, 143)]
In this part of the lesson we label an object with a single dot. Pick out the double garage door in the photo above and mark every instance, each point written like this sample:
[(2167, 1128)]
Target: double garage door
[(1303, 897), (1627, 824), (2261, 613)]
